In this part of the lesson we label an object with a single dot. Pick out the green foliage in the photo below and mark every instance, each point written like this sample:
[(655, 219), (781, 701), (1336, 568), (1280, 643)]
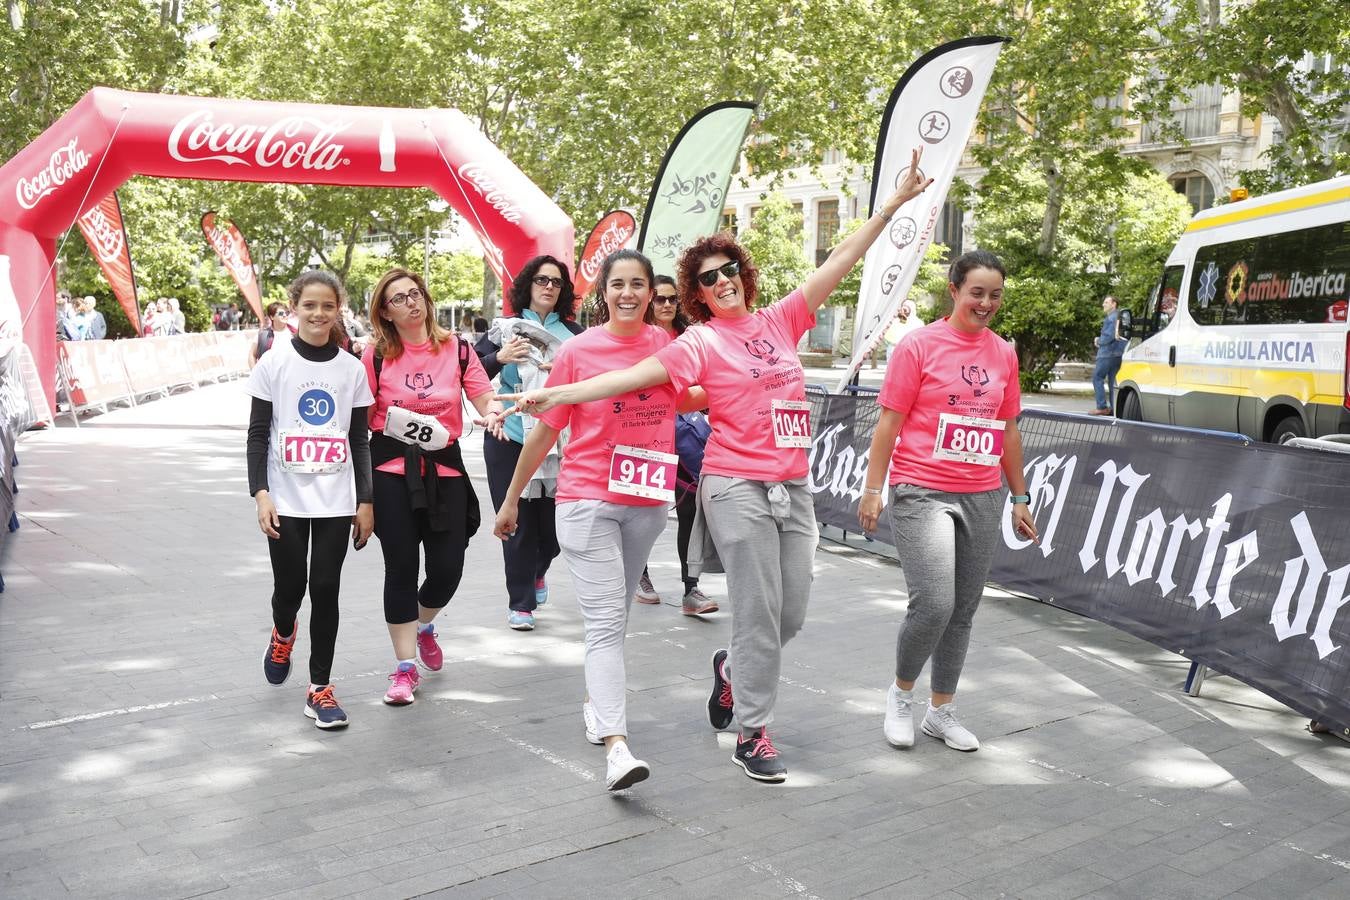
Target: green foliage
[(1110, 240), (1047, 314), (774, 242), (1260, 48)]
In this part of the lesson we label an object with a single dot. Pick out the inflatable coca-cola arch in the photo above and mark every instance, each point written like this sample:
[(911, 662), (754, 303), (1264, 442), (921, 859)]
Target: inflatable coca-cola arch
[(112, 135)]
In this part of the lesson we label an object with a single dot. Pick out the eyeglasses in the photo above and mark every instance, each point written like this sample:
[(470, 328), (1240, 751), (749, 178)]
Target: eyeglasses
[(413, 296), (546, 281), (660, 300), (730, 270)]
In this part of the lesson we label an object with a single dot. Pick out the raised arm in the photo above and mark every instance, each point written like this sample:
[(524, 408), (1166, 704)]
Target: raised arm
[(822, 282), (647, 373)]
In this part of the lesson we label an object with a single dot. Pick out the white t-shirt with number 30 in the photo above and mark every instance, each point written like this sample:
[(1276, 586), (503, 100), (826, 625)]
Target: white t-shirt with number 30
[(309, 461)]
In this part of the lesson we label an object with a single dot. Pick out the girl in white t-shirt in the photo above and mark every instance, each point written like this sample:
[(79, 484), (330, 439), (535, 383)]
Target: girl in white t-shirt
[(309, 472)]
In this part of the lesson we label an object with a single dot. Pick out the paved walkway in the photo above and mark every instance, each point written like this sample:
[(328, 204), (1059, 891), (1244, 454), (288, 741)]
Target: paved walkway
[(142, 754)]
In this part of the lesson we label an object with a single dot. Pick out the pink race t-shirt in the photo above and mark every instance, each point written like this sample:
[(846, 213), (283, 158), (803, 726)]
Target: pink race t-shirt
[(642, 419), (749, 367), (424, 382), (942, 378)]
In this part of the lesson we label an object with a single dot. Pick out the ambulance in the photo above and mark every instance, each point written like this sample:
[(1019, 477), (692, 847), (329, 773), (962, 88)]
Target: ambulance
[(1246, 329)]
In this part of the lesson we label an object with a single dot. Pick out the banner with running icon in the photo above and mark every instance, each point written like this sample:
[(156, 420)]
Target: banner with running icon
[(933, 106)]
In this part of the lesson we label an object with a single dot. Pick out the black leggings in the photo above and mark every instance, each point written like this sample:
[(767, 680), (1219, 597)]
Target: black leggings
[(401, 530), (529, 551), (328, 539), (686, 505)]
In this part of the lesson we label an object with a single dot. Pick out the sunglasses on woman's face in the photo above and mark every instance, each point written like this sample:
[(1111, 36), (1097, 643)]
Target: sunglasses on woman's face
[(709, 278), (546, 281), (659, 300)]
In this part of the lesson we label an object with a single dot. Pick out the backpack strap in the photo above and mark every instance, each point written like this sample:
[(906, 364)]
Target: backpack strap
[(378, 363)]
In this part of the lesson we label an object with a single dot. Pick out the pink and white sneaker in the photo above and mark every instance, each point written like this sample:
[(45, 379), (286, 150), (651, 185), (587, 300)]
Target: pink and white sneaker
[(428, 650), (405, 681)]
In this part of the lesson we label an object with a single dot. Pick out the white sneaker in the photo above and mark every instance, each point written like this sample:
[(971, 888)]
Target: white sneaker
[(899, 723), (940, 722), (592, 723), (622, 770)]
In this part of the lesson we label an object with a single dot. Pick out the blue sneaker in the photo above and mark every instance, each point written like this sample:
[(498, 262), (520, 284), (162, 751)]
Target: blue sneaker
[(540, 591), (322, 707), (521, 621), (277, 662)]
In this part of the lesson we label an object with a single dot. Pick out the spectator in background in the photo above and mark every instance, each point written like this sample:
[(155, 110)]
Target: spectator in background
[(277, 324), (65, 311), (480, 328), (1110, 349), (907, 319), (229, 318), (89, 322), (148, 319), (163, 318), (179, 320)]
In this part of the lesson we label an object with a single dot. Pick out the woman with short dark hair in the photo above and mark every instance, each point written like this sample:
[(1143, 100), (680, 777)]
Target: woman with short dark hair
[(542, 297)]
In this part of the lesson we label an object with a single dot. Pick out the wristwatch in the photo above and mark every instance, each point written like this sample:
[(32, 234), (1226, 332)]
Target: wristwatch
[(1024, 499)]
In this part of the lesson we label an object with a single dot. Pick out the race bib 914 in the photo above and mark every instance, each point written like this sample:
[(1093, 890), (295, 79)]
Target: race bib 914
[(969, 439), (643, 473)]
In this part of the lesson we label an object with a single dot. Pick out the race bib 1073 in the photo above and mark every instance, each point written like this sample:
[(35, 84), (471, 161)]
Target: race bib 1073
[(791, 423), (969, 439), (313, 454), (643, 473)]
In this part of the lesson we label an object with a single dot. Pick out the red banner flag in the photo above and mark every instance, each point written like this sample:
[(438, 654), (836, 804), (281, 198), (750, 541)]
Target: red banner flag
[(611, 233), (233, 252), (107, 238)]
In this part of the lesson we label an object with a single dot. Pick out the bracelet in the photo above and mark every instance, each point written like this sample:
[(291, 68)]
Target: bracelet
[(1024, 499), (875, 492), (885, 217)]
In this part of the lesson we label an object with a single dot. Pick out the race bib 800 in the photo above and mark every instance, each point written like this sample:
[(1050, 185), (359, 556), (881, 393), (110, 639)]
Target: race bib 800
[(969, 439)]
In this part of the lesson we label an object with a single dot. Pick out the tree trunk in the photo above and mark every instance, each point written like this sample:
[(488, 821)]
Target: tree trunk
[(491, 292), (1054, 205)]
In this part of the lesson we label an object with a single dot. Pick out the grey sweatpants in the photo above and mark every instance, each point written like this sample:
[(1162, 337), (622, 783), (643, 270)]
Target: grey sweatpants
[(946, 543), (605, 546), (768, 561)]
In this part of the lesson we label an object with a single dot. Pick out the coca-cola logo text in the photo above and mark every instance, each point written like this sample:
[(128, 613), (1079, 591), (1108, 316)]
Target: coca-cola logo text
[(105, 237), (230, 253), (303, 142), (490, 192), (66, 162), (611, 239)]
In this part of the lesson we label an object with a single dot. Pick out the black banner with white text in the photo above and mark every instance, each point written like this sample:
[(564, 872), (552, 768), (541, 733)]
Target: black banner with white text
[(1235, 555)]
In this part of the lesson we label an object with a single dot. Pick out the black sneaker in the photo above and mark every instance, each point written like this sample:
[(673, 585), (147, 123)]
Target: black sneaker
[(719, 702), (323, 708), (277, 661), (759, 758)]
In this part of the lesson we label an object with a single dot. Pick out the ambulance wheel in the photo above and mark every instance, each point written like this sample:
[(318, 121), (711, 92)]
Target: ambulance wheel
[(1129, 408), (1287, 429)]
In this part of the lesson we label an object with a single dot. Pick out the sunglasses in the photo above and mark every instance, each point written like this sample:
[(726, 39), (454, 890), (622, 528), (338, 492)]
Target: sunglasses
[(546, 281), (709, 278), (658, 300)]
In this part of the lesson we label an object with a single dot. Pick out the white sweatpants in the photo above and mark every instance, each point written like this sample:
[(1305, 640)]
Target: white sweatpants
[(606, 546)]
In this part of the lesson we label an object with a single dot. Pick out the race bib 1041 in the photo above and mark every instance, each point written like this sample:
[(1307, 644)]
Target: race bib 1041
[(643, 473), (969, 439), (791, 423), (313, 454), (416, 428)]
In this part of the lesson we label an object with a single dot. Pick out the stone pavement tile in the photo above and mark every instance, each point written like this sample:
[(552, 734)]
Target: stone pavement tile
[(1069, 885), (1034, 870), (1299, 879), (516, 883)]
